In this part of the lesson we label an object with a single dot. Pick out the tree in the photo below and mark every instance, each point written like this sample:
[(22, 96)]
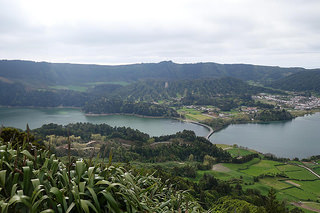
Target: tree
[(273, 205)]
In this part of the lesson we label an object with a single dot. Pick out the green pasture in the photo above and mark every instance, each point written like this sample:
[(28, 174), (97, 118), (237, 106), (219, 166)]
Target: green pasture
[(84, 87), (241, 166), (310, 186), (289, 168), (231, 176), (189, 111), (263, 167), (197, 117), (301, 175), (275, 183), (70, 87), (122, 83), (193, 114), (299, 194), (264, 189), (235, 152)]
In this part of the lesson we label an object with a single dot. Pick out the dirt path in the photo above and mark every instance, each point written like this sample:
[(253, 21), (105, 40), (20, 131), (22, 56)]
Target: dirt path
[(303, 205), (220, 168), (292, 183), (230, 147)]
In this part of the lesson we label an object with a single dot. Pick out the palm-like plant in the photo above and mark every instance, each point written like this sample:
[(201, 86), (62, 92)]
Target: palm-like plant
[(42, 183)]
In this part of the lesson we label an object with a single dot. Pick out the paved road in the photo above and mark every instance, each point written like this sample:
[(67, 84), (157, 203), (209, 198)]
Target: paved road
[(204, 125)]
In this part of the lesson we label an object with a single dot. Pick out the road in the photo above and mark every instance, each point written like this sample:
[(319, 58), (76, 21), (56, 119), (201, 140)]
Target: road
[(310, 170), (204, 125)]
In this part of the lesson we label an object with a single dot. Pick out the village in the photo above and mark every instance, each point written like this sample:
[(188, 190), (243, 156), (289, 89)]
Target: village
[(295, 102), (292, 102)]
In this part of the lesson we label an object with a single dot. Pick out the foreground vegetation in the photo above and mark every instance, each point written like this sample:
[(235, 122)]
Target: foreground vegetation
[(34, 180)]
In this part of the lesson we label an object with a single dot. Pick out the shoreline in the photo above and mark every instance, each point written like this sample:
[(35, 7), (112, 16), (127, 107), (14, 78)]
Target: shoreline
[(130, 114), (39, 107)]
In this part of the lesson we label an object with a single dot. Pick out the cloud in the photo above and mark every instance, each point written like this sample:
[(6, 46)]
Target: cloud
[(284, 33)]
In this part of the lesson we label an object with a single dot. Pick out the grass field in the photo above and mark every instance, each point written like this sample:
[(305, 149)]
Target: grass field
[(300, 194), (263, 167), (197, 117), (300, 175), (84, 87), (122, 83), (226, 176), (300, 185), (193, 114), (263, 188), (70, 87), (276, 183), (242, 166), (235, 152), (289, 168), (310, 186)]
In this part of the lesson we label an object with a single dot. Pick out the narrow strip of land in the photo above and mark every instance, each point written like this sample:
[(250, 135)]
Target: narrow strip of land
[(204, 125)]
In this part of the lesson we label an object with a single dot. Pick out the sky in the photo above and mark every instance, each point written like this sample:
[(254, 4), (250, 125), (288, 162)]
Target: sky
[(267, 32)]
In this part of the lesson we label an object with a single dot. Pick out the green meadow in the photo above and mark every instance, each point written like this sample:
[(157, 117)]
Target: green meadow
[(292, 183)]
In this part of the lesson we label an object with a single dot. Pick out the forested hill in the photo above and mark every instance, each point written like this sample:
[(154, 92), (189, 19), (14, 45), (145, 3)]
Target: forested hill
[(153, 90), (43, 73), (301, 81)]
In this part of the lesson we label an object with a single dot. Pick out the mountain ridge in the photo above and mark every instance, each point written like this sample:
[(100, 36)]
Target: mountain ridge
[(47, 73)]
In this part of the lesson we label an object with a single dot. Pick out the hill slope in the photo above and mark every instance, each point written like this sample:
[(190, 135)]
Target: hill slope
[(300, 82), (43, 73)]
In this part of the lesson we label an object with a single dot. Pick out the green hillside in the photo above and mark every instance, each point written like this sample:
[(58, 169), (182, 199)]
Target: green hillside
[(51, 74), (302, 81)]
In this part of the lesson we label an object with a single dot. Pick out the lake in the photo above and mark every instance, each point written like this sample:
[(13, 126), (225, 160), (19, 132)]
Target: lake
[(297, 138), (36, 117)]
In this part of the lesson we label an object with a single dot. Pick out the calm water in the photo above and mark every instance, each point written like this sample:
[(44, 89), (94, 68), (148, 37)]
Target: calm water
[(297, 138), (19, 117)]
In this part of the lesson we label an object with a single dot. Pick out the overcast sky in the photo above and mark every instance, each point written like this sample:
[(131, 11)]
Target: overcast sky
[(271, 32)]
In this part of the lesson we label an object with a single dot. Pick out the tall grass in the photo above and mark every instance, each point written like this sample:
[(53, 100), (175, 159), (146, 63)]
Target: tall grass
[(39, 182)]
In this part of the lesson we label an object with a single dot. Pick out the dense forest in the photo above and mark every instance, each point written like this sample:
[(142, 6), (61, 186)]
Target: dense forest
[(273, 115), (16, 94), (161, 90), (300, 82), (141, 146), (137, 98), (44, 74), (104, 105), (85, 130)]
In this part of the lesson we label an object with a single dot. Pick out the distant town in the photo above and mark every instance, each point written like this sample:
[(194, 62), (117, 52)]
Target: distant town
[(294, 102)]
